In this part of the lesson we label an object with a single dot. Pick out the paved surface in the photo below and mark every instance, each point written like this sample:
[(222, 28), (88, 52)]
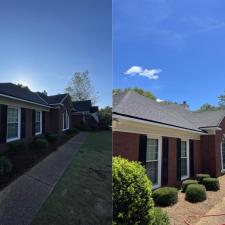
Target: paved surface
[(22, 199), (214, 220)]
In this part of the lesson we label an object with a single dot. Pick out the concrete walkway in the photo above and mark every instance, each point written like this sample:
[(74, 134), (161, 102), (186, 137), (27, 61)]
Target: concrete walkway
[(214, 220), (22, 199)]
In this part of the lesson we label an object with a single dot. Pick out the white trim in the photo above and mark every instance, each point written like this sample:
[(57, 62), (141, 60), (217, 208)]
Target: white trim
[(157, 124), (68, 121), (149, 136), (22, 100), (40, 132), (19, 125), (188, 159)]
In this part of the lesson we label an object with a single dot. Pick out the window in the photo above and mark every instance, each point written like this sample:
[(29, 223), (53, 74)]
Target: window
[(65, 121), (223, 156), (184, 160), (152, 161), (38, 122), (13, 123)]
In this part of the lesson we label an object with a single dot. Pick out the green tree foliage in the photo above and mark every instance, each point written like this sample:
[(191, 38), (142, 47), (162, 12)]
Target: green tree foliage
[(140, 91), (132, 194), (207, 107), (222, 100), (105, 118), (80, 87)]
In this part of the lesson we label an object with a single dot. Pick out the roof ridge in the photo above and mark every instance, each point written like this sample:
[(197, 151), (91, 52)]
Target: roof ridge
[(37, 93)]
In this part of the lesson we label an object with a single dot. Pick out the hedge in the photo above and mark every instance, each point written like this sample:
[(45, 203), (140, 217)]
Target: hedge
[(195, 193), (186, 183), (200, 177), (211, 184)]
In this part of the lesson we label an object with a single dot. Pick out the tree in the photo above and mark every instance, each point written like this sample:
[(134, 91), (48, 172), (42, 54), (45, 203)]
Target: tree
[(80, 87), (140, 91), (207, 107), (222, 101), (44, 92), (105, 118)]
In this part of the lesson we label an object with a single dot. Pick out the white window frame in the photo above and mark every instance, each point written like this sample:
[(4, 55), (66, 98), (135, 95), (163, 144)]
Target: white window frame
[(40, 132), (19, 125), (222, 166), (63, 121), (188, 159), (159, 159)]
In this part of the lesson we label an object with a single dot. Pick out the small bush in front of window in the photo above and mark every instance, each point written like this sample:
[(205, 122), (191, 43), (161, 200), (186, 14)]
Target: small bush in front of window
[(71, 131), (165, 196), (39, 144), (5, 166), (161, 218), (19, 145), (52, 137), (195, 193), (186, 183), (132, 193), (200, 177), (211, 184)]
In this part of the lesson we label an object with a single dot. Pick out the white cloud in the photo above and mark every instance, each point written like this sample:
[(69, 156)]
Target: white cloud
[(149, 73), (159, 100)]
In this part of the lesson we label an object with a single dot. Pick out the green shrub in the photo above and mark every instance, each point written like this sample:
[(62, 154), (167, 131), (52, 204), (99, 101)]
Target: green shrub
[(211, 184), (132, 195), (200, 177), (40, 136), (40, 143), (52, 137), (165, 196), (5, 165), (161, 218), (195, 193), (186, 183), (19, 145), (71, 131)]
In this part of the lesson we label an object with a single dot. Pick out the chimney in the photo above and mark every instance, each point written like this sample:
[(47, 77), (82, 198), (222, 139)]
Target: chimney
[(185, 105)]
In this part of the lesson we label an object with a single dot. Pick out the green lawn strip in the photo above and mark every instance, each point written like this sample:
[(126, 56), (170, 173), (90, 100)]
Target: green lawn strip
[(84, 193)]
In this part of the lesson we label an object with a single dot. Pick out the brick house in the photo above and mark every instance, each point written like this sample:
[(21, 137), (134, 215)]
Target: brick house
[(172, 142), (85, 113), (25, 114)]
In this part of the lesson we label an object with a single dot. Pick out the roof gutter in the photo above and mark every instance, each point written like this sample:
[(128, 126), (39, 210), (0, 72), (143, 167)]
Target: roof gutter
[(27, 101), (146, 121)]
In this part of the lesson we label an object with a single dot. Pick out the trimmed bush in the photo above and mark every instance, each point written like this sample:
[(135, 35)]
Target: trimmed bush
[(19, 145), (40, 143), (71, 131), (52, 137), (161, 218), (40, 136), (186, 183), (195, 193), (84, 127), (211, 184), (132, 195), (200, 177), (165, 196), (5, 165)]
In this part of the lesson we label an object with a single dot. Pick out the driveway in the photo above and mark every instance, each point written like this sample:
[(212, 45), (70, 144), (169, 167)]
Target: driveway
[(22, 199)]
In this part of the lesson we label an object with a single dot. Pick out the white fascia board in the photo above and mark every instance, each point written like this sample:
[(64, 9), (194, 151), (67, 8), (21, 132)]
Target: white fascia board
[(156, 124)]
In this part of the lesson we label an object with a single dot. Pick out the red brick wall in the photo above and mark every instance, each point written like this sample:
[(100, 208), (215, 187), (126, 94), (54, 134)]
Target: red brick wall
[(126, 145)]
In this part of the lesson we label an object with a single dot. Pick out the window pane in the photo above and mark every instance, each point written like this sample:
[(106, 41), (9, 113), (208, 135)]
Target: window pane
[(12, 115), (12, 130), (184, 167), (152, 149), (37, 127), (183, 149), (37, 117), (152, 171)]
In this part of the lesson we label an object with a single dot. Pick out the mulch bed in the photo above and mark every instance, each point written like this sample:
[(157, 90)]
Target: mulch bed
[(24, 160)]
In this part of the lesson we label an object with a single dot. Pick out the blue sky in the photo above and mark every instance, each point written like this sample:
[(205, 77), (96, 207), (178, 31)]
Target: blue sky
[(176, 49), (42, 44)]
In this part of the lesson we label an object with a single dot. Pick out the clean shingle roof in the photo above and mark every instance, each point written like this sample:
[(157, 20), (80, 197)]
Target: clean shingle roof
[(19, 92), (134, 105), (81, 106)]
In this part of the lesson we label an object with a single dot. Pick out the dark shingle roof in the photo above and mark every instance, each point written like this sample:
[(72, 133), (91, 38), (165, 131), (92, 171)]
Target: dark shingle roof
[(137, 106), (14, 90), (81, 106), (17, 91)]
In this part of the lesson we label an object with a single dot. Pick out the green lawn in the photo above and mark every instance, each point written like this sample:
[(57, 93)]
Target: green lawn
[(84, 193)]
